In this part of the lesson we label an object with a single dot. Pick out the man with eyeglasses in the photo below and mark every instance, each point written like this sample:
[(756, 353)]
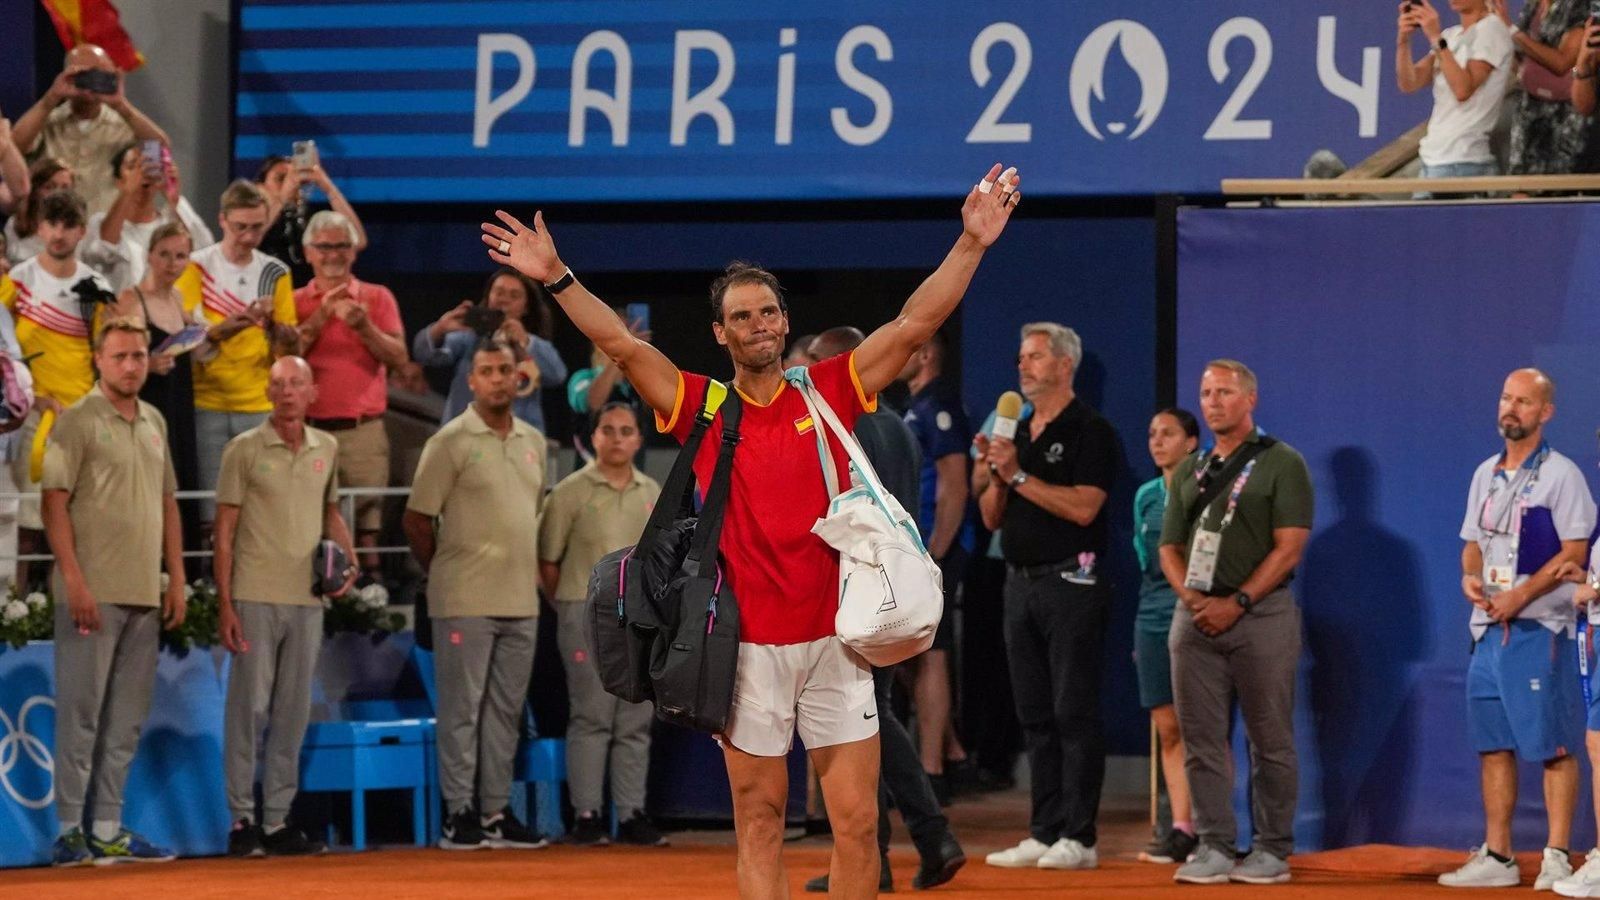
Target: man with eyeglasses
[(352, 335), (1235, 529), (1528, 515), (249, 306)]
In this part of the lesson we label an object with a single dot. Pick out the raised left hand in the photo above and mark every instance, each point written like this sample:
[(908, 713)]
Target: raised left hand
[(985, 213), (1428, 20)]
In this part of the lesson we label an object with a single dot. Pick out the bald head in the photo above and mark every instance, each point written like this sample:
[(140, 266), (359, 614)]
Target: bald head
[(292, 388), (835, 341), (89, 56), (1534, 381), (1527, 402), (290, 365)]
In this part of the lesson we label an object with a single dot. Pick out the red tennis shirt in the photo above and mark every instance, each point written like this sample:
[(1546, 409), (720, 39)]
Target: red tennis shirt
[(785, 578)]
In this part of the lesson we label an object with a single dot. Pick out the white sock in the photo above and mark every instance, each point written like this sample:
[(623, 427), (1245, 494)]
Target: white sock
[(106, 829), (272, 829)]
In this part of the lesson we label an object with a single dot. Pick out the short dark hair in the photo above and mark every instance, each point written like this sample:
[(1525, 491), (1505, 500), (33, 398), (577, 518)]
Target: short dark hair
[(611, 406), (492, 345), (1186, 420), (63, 208), (738, 273), (119, 156)]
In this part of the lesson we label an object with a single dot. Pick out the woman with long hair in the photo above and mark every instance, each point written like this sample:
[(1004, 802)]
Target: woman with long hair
[(1174, 434)]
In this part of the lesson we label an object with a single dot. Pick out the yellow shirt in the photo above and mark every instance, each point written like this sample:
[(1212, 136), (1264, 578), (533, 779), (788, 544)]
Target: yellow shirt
[(485, 492), (585, 517), (51, 327), (116, 474), (283, 497), (235, 378)]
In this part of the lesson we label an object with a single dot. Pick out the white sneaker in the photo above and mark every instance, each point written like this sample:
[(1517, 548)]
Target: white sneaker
[(1483, 870), (1025, 855), (1069, 854), (1555, 866), (1583, 883)]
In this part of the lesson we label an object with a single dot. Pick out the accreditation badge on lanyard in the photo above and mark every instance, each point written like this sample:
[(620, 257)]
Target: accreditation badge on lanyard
[(1207, 543), (1500, 573)]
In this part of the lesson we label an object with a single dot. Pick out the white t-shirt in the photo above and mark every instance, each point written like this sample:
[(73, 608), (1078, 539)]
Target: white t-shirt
[(124, 262), (18, 249), (1458, 132)]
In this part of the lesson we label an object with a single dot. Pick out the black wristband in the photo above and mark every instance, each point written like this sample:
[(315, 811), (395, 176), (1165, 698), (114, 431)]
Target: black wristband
[(1245, 601), (1443, 45), (562, 283)]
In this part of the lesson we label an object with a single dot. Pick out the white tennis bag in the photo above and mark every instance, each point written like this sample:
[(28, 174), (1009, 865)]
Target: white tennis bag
[(891, 593)]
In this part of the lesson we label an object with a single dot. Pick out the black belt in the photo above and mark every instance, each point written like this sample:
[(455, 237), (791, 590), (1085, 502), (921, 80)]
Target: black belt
[(1041, 570), (342, 424)]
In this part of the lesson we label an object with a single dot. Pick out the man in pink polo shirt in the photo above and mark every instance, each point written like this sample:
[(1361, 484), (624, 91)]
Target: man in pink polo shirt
[(351, 334)]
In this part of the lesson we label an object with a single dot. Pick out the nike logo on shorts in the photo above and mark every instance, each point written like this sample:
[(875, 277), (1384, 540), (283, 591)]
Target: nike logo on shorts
[(868, 715)]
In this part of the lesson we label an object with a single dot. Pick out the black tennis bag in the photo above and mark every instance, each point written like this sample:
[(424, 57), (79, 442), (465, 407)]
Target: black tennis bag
[(665, 622)]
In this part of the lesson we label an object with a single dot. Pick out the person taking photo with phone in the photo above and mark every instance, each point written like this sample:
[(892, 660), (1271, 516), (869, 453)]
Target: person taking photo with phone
[(149, 195), (1468, 66), (83, 120)]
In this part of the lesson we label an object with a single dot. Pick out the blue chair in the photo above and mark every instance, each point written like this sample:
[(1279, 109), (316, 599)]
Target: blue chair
[(358, 756), (541, 763)]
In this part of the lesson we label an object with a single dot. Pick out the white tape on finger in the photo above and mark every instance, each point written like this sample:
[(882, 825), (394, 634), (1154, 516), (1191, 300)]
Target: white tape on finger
[(985, 186), (505, 247)]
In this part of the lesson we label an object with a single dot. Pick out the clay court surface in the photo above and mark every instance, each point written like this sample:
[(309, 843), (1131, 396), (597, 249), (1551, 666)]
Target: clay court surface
[(700, 864)]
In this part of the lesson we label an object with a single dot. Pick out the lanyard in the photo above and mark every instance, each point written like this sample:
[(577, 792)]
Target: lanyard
[(1233, 495), (1516, 502), (1583, 660)]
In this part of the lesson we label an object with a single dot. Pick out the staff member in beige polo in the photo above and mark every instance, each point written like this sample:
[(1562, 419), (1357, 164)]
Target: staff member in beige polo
[(600, 508), (112, 520), (480, 481), (276, 498)]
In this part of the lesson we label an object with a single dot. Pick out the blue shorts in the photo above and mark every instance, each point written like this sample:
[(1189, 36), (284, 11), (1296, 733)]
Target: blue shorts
[(1523, 692), (1593, 718)]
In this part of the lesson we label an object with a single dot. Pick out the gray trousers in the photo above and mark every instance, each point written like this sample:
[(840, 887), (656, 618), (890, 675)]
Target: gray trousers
[(481, 670), (1255, 661), (602, 727), (270, 689), (104, 681)]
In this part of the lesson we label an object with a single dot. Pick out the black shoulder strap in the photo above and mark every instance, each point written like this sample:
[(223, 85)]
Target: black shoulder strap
[(677, 494), (708, 531), (1224, 479)]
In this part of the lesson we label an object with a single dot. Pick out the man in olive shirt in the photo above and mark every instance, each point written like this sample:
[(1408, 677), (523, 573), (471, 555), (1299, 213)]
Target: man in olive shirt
[(276, 498), (600, 508), (1234, 531), (112, 520), (481, 477)]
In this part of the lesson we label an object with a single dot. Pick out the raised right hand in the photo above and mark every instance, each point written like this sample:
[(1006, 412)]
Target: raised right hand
[(528, 250), (455, 319)]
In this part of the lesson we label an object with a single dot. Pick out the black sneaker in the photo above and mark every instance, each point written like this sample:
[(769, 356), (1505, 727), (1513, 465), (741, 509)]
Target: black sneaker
[(819, 884), (462, 832), (291, 841), (244, 840), (1175, 848), (587, 831), (941, 867), (640, 832), (503, 831)]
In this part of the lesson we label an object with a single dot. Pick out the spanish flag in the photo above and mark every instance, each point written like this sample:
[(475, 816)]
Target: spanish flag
[(94, 22)]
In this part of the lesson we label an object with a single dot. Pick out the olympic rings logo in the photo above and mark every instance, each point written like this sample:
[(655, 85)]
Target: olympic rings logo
[(17, 741)]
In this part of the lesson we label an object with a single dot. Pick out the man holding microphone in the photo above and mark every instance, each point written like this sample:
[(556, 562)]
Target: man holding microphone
[(276, 498)]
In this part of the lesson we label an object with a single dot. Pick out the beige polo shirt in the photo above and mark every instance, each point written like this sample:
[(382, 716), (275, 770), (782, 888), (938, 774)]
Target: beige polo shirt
[(115, 473), (585, 518), (486, 493), (283, 496), (87, 145)]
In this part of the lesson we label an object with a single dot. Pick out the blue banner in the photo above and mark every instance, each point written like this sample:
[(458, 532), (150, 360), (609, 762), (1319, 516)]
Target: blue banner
[(659, 100)]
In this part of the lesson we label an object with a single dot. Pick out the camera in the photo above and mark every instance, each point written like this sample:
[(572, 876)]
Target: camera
[(484, 321), (96, 81)]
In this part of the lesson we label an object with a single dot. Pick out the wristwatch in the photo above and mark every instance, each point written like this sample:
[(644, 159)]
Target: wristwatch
[(1019, 479), (1245, 601), (562, 283)]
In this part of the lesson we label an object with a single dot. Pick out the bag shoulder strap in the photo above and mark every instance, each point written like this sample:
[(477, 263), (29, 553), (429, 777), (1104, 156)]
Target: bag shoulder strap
[(1219, 485), (708, 527), (677, 495)]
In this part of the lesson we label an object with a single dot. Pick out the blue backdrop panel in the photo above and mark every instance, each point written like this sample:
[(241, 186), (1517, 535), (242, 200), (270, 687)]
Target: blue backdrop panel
[(482, 100), (1381, 337), (174, 790)]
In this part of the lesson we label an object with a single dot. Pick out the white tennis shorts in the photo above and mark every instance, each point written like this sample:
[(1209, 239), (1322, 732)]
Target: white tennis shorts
[(822, 687)]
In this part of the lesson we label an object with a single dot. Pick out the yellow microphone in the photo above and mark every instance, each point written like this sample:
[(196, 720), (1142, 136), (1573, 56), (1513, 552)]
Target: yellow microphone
[(1006, 413)]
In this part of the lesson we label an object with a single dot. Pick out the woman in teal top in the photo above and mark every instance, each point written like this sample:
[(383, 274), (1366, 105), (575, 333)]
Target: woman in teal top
[(1174, 434)]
